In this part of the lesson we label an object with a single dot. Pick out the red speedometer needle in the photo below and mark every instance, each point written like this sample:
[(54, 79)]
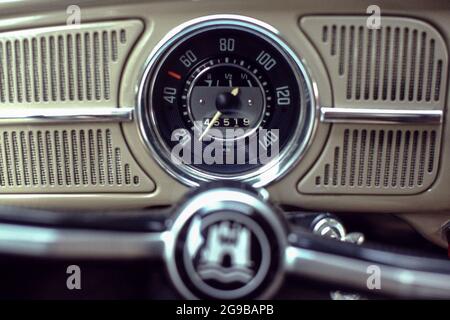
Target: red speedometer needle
[(174, 75)]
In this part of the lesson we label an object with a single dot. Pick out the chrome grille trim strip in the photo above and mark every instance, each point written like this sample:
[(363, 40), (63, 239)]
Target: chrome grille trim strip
[(67, 115), (380, 116)]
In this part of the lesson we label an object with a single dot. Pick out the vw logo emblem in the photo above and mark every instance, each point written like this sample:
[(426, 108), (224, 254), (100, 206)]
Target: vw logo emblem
[(225, 251)]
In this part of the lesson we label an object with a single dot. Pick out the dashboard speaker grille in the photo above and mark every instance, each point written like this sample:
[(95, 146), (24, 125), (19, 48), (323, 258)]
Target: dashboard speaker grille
[(61, 159), (403, 62), (374, 160), (58, 65), (401, 65)]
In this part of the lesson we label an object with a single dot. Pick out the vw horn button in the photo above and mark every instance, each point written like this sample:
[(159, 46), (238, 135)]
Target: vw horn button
[(226, 243)]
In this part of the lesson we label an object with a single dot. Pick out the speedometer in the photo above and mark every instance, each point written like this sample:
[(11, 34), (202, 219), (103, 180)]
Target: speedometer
[(226, 98)]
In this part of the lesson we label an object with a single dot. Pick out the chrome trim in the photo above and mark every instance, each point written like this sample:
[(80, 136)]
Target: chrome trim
[(380, 116), (78, 243), (354, 272), (65, 115), (262, 176)]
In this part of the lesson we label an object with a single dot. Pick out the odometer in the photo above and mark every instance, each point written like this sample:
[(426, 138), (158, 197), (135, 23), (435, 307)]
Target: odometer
[(226, 99)]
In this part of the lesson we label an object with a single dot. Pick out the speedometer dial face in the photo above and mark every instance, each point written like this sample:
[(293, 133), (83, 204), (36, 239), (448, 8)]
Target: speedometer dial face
[(225, 101), (226, 85)]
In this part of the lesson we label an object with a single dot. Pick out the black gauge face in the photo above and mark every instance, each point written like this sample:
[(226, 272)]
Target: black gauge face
[(224, 102)]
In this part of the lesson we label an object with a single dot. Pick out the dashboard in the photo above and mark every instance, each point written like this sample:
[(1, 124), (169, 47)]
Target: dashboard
[(113, 105)]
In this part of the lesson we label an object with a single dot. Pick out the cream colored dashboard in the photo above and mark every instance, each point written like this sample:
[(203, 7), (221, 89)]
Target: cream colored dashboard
[(70, 137)]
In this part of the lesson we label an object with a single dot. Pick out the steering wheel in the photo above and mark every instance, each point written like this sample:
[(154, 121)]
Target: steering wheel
[(225, 241)]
